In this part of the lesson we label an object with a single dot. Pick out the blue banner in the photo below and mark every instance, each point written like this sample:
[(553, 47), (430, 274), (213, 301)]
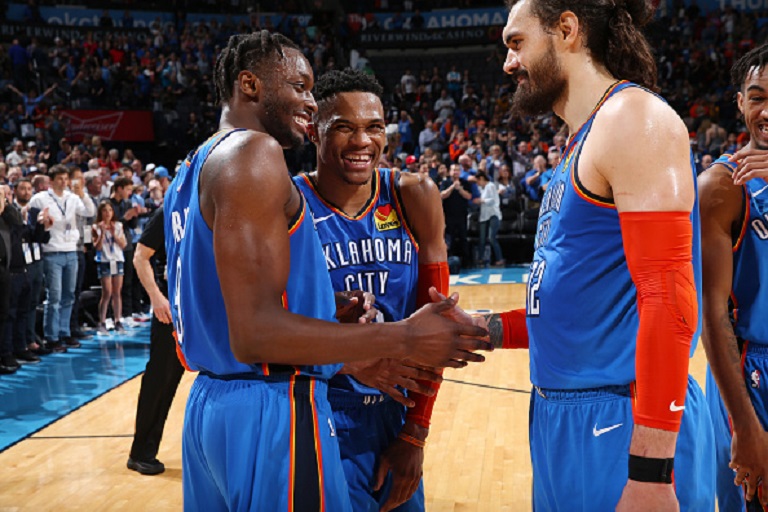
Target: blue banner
[(707, 6), (79, 17), (454, 18), (73, 16)]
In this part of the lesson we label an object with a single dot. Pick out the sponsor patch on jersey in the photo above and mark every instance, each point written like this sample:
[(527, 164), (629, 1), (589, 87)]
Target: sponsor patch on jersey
[(386, 218)]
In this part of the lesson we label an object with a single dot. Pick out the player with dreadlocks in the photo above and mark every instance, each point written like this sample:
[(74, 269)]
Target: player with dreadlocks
[(253, 306)]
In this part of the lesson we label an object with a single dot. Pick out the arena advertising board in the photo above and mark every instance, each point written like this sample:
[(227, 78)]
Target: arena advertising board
[(72, 16), (121, 125)]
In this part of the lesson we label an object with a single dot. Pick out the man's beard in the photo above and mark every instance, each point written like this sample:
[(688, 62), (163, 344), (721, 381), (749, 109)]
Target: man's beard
[(538, 95)]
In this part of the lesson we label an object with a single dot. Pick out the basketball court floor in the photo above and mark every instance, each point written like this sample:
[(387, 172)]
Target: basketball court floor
[(66, 425)]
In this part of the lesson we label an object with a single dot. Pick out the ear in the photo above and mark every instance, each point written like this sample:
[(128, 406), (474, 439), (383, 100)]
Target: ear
[(740, 102), (249, 84), (568, 29)]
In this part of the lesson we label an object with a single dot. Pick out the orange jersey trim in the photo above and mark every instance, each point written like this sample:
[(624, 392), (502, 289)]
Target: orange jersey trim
[(297, 223), (372, 201), (745, 222), (318, 444), (584, 194), (292, 456), (180, 354), (570, 150), (399, 208)]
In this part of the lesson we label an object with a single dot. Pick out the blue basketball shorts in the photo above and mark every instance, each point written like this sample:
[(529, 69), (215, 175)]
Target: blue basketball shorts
[(266, 444), (580, 450), (755, 371), (366, 426)]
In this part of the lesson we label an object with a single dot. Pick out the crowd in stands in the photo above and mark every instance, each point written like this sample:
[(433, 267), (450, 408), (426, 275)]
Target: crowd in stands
[(68, 233), (491, 166)]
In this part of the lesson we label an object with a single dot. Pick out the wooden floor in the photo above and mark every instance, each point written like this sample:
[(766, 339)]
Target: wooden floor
[(476, 457)]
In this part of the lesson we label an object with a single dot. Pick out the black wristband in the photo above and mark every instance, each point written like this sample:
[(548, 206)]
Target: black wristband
[(644, 469)]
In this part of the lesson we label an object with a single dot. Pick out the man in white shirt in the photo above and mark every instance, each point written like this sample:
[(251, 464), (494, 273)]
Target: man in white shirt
[(18, 156), (60, 253), (445, 105)]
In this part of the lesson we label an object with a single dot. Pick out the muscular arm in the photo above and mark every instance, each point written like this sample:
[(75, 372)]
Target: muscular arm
[(721, 202), (421, 200), (638, 123), (246, 198), (721, 210)]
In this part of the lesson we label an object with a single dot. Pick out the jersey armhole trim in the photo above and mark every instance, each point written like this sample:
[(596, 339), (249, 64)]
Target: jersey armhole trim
[(400, 206), (581, 190), (217, 138), (745, 213), (298, 217)]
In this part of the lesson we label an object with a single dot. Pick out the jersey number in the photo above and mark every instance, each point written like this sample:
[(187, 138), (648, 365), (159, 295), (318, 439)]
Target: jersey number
[(534, 283), (177, 322)]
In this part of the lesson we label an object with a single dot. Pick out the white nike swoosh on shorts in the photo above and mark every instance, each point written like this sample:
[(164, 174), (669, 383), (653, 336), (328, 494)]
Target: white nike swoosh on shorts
[(597, 432)]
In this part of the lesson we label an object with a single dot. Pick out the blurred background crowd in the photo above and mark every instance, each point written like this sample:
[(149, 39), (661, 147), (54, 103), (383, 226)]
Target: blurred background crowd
[(447, 105)]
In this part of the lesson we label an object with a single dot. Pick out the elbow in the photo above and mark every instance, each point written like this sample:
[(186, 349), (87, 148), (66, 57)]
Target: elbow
[(251, 346)]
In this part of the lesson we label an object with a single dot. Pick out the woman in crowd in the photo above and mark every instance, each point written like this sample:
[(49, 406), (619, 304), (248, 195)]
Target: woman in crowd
[(490, 216), (109, 241)]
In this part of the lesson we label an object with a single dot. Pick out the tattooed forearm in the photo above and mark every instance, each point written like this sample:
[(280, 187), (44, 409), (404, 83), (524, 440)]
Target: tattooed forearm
[(726, 328), (495, 329)]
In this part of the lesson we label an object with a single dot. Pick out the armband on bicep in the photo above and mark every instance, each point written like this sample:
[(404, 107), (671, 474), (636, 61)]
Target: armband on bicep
[(658, 248)]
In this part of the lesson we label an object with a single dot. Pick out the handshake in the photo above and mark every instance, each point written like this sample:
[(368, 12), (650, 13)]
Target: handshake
[(440, 335)]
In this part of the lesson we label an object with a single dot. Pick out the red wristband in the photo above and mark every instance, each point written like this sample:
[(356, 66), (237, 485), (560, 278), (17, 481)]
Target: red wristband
[(515, 329), (430, 274)]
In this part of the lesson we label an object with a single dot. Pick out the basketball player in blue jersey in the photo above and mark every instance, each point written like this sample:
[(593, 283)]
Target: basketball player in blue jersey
[(382, 232), (612, 311), (735, 263), (253, 305)]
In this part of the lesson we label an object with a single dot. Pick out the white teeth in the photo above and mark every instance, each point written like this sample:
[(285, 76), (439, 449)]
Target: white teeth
[(358, 159), (300, 120)]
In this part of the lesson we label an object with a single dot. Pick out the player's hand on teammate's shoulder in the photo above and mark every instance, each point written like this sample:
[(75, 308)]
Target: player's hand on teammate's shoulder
[(355, 306), (387, 374), (751, 163), (644, 496), (435, 339)]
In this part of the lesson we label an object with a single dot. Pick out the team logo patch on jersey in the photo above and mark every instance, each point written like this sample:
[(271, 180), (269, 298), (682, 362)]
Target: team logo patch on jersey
[(386, 218), (755, 379)]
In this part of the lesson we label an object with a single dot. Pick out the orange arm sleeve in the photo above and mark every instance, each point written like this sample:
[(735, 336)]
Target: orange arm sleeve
[(515, 329), (658, 248), (437, 275)]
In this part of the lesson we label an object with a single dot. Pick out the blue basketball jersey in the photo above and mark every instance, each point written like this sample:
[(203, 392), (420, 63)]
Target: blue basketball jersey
[(373, 251), (581, 302), (749, 251), (199, 315)]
